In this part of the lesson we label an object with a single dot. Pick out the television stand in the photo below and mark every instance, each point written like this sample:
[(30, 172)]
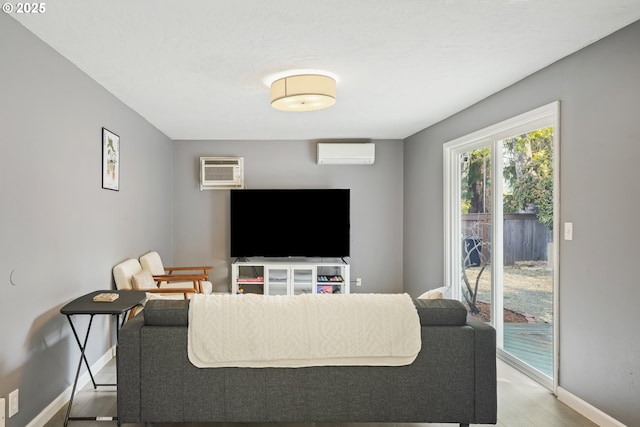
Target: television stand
[(290, 276)]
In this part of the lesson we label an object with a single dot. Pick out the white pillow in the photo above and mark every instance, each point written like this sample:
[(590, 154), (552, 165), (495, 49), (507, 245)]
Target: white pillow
[(143, 280)]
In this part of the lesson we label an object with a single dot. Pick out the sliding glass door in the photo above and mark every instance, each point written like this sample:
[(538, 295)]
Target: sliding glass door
[(499, 217)]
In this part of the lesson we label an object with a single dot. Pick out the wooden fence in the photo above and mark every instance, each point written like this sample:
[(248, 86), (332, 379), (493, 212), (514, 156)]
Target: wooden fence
[(525, 238)]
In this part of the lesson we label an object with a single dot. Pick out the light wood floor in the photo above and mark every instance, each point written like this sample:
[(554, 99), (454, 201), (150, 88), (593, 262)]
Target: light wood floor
[(521, 403)]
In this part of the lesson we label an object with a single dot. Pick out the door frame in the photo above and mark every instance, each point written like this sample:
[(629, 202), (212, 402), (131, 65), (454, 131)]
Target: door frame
[(546, 115)]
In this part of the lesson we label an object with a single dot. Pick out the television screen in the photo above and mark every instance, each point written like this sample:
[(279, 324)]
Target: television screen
[(290, 223)]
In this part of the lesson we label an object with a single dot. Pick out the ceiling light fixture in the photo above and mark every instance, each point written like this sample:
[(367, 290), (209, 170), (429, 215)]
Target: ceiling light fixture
[(303, 92)]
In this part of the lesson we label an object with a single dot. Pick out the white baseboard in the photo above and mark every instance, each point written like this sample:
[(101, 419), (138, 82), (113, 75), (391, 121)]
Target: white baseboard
[(63, 399), (585, 409)]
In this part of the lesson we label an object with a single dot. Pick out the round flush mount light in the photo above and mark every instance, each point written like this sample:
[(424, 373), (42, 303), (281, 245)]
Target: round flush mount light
[(303, 92)]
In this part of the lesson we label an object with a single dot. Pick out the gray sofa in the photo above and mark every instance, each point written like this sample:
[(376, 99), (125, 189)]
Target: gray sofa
[(453, 379)]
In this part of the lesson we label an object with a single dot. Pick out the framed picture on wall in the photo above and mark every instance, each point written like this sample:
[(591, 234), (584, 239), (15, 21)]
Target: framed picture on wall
[(110, 160)]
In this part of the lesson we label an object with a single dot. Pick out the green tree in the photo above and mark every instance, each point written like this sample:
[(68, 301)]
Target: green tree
[(528, 174), (476, 181)]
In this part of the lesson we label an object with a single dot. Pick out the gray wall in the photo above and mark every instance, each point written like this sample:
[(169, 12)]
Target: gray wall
[(59, 230), (201, 218), (599, 90)]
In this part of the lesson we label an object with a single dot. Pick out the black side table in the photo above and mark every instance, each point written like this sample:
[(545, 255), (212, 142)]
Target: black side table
[(86, 306)]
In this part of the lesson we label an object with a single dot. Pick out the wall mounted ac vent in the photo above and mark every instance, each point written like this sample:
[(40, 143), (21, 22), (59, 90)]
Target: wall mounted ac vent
[(221, 173), (346, 154)]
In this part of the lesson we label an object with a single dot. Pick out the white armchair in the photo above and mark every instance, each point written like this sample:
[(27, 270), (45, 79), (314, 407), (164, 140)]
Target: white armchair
[(152, 262), (129, 275)]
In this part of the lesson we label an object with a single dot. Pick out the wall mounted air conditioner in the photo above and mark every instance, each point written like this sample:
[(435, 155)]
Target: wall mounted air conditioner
[(346, 154), (221, 173)]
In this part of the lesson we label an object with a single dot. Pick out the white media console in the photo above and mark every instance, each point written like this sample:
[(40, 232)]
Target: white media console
[(290, 276)]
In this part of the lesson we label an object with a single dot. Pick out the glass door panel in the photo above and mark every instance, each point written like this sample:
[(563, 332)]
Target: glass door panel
[(475, 213), (528, 248), (277, 281), (302, 279)]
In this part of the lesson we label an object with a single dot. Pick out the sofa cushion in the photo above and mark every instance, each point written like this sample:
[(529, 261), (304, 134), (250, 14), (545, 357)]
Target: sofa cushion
[(432, 312), (441, 312), (161, 312)]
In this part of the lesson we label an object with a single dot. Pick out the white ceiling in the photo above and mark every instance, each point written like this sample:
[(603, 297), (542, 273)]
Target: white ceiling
[(196, 69)]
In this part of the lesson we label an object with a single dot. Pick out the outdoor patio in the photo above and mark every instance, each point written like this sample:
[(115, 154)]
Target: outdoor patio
[(532, 343), (528, 290)]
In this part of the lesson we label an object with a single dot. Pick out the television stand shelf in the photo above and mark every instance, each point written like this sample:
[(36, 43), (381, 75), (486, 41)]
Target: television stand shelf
[(290, 276)]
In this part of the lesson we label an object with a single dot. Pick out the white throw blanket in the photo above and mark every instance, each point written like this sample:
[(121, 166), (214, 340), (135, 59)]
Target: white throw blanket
[(302, 330)]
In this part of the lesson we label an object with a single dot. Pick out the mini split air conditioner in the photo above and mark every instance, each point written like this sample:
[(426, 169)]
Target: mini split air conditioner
[(221, 173), (346, 154)]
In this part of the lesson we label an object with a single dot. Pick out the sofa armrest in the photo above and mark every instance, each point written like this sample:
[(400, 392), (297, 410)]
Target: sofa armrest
[(166, 312), (128, 369), (440, 312), (485, 371)]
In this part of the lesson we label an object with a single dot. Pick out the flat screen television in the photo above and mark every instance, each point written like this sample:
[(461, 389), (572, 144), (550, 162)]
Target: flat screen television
[(290, 223)]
